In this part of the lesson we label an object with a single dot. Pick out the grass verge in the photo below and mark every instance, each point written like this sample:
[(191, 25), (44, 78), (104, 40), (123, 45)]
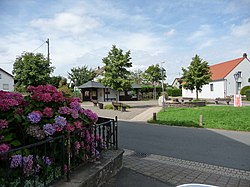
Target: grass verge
[(217, 117)]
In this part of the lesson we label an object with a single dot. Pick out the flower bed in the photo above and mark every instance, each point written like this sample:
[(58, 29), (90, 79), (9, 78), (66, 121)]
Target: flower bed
[(43, 135)]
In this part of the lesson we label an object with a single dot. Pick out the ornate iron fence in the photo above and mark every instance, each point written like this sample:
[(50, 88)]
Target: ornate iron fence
[(47, 161)]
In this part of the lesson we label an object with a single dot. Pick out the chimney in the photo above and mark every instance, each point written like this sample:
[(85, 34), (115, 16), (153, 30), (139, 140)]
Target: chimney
[(244, 55)]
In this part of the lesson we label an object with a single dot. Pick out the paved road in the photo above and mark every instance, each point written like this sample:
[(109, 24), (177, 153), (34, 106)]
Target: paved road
[(216, 147)]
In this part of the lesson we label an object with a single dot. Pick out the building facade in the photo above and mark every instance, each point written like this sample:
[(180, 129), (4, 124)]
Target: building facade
[(6, 81), (227, 79)]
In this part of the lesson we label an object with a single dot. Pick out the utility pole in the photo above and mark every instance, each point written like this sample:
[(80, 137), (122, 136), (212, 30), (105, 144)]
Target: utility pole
[(48, 48), (162, 84)]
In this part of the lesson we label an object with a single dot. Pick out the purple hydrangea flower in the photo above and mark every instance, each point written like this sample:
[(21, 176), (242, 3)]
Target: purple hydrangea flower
[(49, 129), (34, 117), (60, 121), (91, 115), (75, 105), (28, 165), (64, 110), (74, 114), (16, 161), (46, 160)]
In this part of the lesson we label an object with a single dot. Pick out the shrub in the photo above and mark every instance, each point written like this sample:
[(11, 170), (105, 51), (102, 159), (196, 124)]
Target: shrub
[(44, 112), (174, 92), (244, 89), (248, 95), (108, 106)]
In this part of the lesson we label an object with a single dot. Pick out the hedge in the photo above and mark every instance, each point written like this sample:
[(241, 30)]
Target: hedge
[(248, 95), (244, 89)]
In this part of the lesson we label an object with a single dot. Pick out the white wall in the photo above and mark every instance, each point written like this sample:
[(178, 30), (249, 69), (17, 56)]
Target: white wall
[(244, 67), (206, 93), (226, 87), (6, 79)]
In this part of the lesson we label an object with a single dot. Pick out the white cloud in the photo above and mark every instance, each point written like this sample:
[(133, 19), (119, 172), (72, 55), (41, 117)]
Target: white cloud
[(170, 33), (241, 30), (201, 32), (67, 22)]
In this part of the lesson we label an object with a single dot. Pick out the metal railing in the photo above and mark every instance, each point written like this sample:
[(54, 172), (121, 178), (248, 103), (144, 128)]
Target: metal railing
[(44, 162)]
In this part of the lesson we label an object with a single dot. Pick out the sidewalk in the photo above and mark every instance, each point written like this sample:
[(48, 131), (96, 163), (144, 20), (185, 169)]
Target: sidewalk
[(154, 170)]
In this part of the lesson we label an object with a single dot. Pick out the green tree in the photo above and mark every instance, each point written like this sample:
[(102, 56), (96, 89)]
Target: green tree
[(153, 75), (55, 80), (81, 75), (196, 75), (31, 69), (115, 74), (137, 76)]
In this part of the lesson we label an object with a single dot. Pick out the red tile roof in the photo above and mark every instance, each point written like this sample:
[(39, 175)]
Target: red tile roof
[(221, 70)]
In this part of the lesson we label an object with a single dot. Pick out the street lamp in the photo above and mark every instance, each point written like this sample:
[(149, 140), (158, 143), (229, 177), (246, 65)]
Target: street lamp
[(236, 77), (162, 84)]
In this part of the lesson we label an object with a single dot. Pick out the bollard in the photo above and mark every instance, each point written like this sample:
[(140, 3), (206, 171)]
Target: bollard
[(154, 116), (201, 120)]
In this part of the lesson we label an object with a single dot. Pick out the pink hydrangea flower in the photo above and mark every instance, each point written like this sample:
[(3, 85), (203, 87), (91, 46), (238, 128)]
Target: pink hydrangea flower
[(48, 112), (4, 148), (3, 124)]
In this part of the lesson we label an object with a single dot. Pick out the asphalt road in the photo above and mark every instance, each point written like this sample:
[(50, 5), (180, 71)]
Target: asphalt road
[(216, 147)]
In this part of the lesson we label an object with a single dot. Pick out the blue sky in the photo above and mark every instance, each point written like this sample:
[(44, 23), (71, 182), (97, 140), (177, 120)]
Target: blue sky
[(82, 32)]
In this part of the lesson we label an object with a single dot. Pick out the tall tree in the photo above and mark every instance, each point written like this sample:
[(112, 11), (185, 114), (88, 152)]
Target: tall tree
[(115, 74), (81, 75), (55, 80), (196, 75), (137, 76), (31, 69), (153, 75)]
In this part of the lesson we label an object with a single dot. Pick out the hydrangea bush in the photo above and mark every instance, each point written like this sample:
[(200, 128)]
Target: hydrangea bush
[(43, 113)]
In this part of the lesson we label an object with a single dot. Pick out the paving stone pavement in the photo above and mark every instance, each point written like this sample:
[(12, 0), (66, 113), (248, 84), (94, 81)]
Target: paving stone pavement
[(176, 171)]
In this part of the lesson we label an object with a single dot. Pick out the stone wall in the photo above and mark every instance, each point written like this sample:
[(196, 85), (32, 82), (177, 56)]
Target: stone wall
[(186, 104)]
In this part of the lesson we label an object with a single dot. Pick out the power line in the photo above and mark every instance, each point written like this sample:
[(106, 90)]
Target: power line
[(39, 47)]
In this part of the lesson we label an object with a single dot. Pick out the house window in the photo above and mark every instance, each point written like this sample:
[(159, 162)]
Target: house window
[(211, 87), (192, 91), (0, 76), (248, 79), (5, 87)]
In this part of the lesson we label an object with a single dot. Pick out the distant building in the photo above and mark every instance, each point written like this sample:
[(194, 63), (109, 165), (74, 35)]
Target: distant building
[(227, 79), (176, 83), (6, 81), (92, 90)]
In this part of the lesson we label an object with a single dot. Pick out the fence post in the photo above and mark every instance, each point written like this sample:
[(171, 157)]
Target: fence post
[(116, 132), (68, 160), (154, 116), (201, 120)]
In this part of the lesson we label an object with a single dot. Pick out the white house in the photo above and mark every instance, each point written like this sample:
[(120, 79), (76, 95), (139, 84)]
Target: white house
[(227, 79), (6, 81), (176, 83)]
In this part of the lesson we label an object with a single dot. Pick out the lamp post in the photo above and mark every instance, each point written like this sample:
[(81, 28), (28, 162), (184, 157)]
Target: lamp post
[(236, 77), (162, 84)]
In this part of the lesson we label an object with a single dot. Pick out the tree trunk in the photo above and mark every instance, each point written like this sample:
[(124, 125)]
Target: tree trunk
[(117, 96), (196, 94)]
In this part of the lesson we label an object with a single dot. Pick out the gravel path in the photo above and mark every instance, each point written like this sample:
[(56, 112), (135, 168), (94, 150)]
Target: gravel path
[(137, 107)]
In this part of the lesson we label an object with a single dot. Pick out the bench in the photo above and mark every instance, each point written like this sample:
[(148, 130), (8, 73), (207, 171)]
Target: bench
[(186, 99), (227, 100), (117, 105), (95, 102)]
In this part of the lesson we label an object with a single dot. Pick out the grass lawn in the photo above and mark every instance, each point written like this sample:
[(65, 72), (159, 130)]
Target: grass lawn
[(217, 117)]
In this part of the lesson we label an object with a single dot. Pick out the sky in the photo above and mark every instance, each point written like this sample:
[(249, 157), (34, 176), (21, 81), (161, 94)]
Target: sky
[(82, 32)]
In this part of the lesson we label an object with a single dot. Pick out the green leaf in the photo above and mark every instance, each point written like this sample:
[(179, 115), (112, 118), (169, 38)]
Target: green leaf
[(15, 143)]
